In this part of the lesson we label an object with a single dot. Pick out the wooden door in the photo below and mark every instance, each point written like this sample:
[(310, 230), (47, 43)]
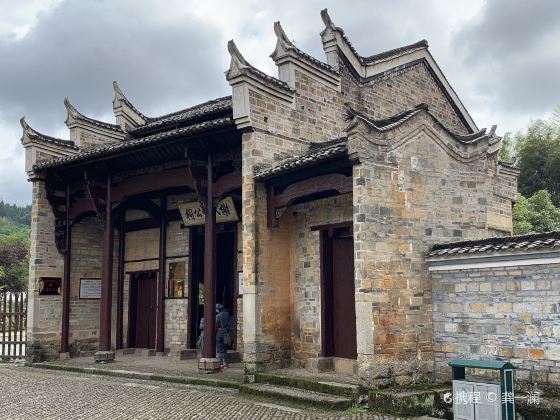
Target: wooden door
[(338, 321), (344, 308), (143, 307)]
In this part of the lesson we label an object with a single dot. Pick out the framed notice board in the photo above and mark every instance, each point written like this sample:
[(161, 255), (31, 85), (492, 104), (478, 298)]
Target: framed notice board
[(90, 288)]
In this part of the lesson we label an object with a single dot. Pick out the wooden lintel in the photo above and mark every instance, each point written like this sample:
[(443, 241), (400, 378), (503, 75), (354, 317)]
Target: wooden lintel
[(148, 183), (226, 183), (320, 184)]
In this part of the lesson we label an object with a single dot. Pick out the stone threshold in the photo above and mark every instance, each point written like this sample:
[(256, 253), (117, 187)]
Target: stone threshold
[(130, 374)]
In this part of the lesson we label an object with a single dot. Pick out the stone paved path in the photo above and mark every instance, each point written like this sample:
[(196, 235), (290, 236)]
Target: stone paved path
[(29, 393)]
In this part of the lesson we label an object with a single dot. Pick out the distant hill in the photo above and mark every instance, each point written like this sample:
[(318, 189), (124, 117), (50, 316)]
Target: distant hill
[(16, 214)]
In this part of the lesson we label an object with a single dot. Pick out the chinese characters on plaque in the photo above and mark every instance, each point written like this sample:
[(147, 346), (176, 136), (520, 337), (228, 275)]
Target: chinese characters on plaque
[(194, 213)]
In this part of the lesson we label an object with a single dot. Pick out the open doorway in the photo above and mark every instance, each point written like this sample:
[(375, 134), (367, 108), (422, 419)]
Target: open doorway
[(226, 276)]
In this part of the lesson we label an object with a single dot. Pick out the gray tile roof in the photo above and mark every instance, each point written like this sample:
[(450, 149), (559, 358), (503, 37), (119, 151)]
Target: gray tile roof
[(396, 120), (500, 244), (394, 52), (213, 106), (34, 134), (376, 57), (317, 152), (78, 115), (111, 148), (103, 124), (246, 67)]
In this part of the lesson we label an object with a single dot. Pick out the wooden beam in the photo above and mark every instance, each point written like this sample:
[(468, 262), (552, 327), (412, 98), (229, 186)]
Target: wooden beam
[(106, 275), (160, 314), (209, 273), (66, 279), (120, 282), (147, 183), (139, 185), (304, 188), (227, 183)]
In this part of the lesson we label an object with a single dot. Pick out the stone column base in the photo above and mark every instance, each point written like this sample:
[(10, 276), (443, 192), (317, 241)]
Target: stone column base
[(64, 356), (104, 356), (209, 365)]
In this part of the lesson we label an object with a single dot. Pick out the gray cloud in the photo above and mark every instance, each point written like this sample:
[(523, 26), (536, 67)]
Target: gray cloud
[(501, 57), (513, 46), (78, 49)]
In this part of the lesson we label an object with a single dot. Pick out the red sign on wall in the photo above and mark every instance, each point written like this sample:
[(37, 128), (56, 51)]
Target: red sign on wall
[(49, 286)]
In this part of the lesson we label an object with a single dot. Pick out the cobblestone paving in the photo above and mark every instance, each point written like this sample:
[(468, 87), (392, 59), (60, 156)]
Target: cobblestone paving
[(28, 393)]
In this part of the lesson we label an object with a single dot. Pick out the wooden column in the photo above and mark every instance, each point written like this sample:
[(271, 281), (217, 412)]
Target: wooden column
[(66, 278), (209, 272), (120, 281), (160, 316), (106, 282)]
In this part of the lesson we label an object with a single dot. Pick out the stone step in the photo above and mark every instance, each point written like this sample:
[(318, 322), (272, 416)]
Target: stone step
[(298, 395), (327, 387)]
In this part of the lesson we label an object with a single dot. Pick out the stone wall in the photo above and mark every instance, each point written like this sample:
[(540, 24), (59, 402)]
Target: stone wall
[(406, 199), (87, 250), (45, 312), (264, 284), (508, 312), (398, 91), (421, 187)]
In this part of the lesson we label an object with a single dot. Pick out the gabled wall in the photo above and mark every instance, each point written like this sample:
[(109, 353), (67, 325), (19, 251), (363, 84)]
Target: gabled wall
[(415, 184)]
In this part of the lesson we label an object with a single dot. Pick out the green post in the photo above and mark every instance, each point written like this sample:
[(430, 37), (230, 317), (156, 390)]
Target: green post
[(506, 386)]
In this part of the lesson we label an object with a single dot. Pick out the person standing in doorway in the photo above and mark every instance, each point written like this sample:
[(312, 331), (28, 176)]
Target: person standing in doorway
[(223, 335)]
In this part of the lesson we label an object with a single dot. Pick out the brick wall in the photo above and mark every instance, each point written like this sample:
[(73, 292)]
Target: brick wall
[(507, 313)]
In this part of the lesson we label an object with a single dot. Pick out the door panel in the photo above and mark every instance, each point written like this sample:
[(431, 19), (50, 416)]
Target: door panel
[(143, 305), (344, 308)]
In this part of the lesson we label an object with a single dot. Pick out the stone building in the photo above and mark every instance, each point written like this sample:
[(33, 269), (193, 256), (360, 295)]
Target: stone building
[(304, 202)]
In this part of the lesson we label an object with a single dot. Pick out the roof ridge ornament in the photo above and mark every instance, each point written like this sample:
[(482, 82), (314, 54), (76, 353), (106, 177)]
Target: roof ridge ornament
[(30, 133), (235, 53), (126, 118), (118, 92), (72, 112), (327, 19), (237, 63), (27, 128), (281, 35)]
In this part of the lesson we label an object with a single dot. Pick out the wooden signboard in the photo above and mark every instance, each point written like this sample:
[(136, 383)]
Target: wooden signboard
[(194, 213), (49, 286), (90, 288)]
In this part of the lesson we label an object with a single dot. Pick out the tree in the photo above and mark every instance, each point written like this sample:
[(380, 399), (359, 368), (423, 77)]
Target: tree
[(535, 214), (14, 256), (17, 214), (538, 158), (506, 151)]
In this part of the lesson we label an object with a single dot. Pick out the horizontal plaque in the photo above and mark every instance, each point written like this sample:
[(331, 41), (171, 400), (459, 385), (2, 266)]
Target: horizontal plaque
[(49, 286), (194, 213), (90, 288)]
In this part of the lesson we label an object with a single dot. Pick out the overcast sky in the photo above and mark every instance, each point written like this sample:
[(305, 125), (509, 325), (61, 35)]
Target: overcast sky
[(501, 56)]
